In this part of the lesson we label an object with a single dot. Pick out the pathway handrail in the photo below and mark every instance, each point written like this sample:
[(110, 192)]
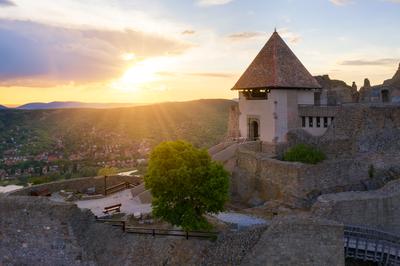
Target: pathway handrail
[(159, 231), (371, 233), (371, 245), (118, 187)]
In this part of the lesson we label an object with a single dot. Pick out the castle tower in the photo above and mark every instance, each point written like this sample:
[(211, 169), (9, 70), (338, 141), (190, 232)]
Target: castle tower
[(270, 90)]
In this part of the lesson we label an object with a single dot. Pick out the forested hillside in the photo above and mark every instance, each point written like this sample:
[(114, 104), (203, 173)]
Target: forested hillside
[(202, 122)]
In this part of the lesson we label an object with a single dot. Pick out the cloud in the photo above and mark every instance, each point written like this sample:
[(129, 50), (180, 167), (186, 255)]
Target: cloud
[(34, 54), (212, 74), (377, 62), (198, 74), (340, 2), (188, 32), (6, 3), (394, 1), (206, 3), (246, 35), (292, 37), (285, 33)]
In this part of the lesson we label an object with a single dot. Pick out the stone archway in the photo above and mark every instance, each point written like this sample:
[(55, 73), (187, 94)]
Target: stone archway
[(254, 129)]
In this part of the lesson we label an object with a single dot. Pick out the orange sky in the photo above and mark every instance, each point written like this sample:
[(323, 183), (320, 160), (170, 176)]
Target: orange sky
[(143, 52)]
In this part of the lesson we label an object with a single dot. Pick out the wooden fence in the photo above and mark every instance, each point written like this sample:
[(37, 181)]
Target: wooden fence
[(159, 231), (118, 187)]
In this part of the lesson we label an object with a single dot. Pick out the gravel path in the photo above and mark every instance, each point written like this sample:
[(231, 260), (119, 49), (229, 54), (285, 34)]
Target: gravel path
[(129, 205), (241, 220), (9, 188)]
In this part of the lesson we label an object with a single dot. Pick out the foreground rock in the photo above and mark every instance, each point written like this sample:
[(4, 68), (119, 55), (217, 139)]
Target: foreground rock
[(36, 231), (379, 209), (299, 241)]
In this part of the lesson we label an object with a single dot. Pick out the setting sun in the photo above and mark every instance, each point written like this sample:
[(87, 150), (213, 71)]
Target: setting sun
[(142, 75)]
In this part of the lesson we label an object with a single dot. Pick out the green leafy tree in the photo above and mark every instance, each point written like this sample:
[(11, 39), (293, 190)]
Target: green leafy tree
[(186, 184)]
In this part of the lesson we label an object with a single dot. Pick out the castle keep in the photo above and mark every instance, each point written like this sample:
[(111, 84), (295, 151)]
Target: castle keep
[(270, 91)]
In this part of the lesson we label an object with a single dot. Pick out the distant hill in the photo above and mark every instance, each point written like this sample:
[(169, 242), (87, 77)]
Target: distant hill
[(2, 107), (71, 105), (202, 122)]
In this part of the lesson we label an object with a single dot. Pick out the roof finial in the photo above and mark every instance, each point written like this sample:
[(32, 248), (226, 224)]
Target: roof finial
[(275, 30)]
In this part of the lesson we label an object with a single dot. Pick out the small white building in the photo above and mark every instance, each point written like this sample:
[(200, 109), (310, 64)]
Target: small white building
[(270, 92)]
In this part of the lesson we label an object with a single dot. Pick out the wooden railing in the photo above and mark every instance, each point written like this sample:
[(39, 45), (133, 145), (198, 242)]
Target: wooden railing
[(170, 232), (159, 231), (118, 187), (371, 245)]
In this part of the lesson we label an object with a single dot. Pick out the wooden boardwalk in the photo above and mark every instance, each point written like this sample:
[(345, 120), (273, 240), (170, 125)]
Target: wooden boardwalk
[(371, 245)]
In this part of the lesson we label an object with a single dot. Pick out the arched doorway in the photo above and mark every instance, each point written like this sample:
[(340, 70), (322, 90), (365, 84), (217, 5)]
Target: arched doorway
[(254, 129), (385, 96)]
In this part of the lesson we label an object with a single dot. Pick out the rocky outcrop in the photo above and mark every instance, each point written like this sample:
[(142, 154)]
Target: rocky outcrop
[(299, 241)]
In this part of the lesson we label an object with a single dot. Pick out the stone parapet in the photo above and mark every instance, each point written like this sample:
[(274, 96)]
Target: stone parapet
[(379, 209), (77, 184), (321, 111)]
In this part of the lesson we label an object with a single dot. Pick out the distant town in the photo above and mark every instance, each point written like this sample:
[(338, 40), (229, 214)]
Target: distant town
[(19, 165)]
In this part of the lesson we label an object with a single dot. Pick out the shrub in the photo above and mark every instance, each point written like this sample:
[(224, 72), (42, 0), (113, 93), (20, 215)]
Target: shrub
[(39, 180), (304, 154), (185, 184), (107, 171)]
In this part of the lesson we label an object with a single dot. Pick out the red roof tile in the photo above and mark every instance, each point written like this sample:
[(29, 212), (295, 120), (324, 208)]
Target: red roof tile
[(276, 66)]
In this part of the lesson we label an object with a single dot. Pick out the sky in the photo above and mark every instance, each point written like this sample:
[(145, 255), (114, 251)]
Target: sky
[(176, 50)]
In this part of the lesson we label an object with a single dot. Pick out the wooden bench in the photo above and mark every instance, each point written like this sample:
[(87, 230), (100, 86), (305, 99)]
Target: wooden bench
[(41, 192), (112, 208)]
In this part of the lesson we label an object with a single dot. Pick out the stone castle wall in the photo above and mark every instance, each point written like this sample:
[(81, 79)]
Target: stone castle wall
[(379, 209), (362, 137), (258, 178), (299, 241), (233, 122), (77, 184), (357, 129)]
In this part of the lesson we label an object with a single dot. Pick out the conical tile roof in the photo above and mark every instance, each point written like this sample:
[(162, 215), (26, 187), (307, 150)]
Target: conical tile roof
[(276, 66)]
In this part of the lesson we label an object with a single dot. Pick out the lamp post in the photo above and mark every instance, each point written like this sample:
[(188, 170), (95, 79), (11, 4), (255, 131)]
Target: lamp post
[(105, 185)]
